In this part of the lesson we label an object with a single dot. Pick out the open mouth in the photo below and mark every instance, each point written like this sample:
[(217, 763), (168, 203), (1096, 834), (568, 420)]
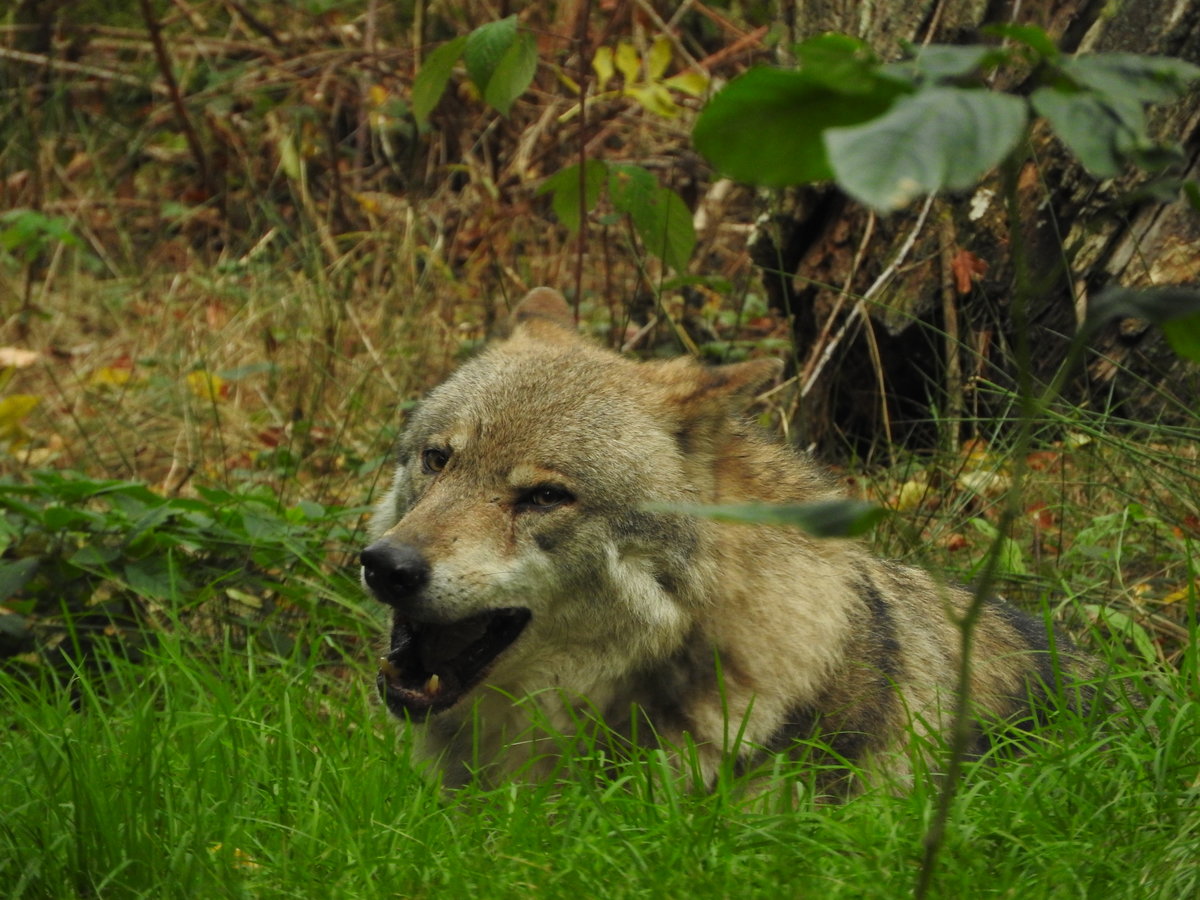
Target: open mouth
[(430, 667)]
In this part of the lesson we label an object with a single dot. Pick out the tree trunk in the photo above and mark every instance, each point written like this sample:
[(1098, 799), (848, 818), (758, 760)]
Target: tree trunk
[(935, 283)]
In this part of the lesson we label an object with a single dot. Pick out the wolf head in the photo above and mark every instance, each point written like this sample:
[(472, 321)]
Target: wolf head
[(514, 546)]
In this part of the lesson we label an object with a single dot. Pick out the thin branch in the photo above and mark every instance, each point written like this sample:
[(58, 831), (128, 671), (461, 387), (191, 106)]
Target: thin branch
[(185, 122), (62, 65), (861, 306), (581, 50)]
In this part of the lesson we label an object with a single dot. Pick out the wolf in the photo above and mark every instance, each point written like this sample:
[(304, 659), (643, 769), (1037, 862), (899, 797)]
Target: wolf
[(533, 574)]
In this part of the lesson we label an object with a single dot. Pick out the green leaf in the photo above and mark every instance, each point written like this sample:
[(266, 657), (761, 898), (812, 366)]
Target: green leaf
[(1085, 124), (766, 126), (1010, 559), (939, 62), (149, 578), (563, 187), (671, 234), (1175, 309), (430, 83), (1132, 76), (1030, 35), (660, 217), (1191, 193), (1183, 334), (486, 46), (842, 63), (513, 74), (1122, 624), (824, 519), (14, 575), (93, 556), (937, 138)]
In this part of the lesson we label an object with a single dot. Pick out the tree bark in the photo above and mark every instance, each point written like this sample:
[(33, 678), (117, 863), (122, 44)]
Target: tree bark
[(936, 329)]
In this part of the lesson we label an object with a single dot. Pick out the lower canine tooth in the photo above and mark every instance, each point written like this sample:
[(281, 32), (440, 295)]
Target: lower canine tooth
[(388, 669), (433, 685)]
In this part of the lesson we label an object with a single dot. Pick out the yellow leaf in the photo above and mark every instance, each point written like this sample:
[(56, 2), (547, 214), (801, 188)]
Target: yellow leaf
[(659, 57), (289, 157), (602, 64), (692, 82), (910, 495), (13, 410), (568, 82), (206, 385), (656, 98), (110, 376), (628, 62), (984, 483), (1181, 595)]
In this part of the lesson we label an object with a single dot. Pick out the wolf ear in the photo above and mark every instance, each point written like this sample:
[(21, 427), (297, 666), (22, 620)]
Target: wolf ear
[(543, 303), (738, 383), (730, 387)]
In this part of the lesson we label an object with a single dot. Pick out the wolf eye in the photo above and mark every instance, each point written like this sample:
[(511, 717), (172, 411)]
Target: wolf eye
[(545, 496), (434, 460)]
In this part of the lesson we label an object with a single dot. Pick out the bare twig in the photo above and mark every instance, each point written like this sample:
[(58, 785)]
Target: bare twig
[(955, 393), (62, 65), (860, 307), (185, 122), (582, 77)]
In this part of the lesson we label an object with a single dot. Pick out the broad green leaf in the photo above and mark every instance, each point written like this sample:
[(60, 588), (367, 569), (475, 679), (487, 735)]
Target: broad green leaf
[(766, 126), (660, 217), (824, 519), (67, 518), (513, 74), (1191, 193), (1030, 35), (842, 63), (939, 138), (94, 556), (150, 578), (485, 47), (631, 188), (939, 62), (1175, 309), (14, 575), (1132, 76), (1183, 334), (1122, 624), (430, 83), (564, 189), (1010, 559), (672, 235), (1084, 124)]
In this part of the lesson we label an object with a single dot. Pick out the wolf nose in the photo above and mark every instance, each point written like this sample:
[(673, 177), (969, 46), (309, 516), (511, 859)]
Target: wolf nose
[(394, 572)]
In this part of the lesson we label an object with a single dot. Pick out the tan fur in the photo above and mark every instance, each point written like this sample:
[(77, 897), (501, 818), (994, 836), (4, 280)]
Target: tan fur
[(702, 629)]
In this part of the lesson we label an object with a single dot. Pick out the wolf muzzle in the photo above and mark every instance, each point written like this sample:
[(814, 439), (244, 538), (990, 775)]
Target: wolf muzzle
[(395, 573), (432, 662)]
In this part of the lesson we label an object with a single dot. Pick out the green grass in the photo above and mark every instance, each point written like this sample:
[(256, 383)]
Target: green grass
[(216, 771)]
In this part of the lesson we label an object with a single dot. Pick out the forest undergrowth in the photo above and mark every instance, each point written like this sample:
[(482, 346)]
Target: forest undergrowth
[(215, 321)]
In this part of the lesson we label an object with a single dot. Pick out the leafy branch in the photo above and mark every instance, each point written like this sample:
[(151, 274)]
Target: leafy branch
[(887, 133)]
